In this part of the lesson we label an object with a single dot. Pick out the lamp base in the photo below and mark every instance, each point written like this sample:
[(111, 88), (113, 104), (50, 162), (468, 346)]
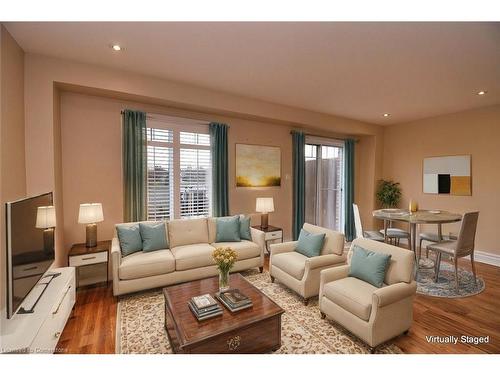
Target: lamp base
[(91, 235), (48, 240), (264, 219)]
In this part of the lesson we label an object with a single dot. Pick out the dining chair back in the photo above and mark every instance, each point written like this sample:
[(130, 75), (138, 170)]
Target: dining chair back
[(357, 221), (467, 235)]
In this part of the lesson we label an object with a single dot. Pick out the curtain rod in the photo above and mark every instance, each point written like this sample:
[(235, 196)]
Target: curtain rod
[(151, 116), (322, 136)]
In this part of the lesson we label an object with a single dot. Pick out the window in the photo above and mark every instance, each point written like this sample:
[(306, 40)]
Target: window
[(179, 179), (324, 183)]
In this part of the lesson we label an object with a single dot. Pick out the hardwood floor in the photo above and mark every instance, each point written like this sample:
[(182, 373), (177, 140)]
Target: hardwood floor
[(91, 329)]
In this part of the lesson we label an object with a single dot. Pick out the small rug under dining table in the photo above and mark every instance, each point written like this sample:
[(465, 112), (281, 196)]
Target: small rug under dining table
[(140, 329)]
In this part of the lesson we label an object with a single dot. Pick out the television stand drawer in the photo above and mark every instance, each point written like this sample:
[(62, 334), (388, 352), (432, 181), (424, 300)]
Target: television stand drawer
[(85, 259)]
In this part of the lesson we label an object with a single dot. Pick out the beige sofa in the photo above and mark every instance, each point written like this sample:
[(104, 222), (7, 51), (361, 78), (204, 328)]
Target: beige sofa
[(373, 314), (301, 273), (189, 257)]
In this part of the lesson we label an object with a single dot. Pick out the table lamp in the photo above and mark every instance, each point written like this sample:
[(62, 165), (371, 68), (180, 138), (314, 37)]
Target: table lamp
[(90, 214), (264, 206), (46, 220)]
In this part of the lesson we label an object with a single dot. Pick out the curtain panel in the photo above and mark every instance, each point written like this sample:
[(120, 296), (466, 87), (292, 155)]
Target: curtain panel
[(220, 182), (134, 165), (349, 229), (299, 181)]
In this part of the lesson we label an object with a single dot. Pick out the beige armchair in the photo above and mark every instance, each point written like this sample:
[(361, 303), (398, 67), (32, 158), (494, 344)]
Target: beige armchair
[(373, 314), (300, 273)]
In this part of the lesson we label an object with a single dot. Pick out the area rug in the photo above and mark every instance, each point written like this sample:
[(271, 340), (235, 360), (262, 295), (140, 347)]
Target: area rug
[(140, 317), (445, 287)]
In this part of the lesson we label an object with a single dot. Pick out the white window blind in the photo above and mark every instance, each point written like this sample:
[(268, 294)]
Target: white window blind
[(179, 170), (160, 182)]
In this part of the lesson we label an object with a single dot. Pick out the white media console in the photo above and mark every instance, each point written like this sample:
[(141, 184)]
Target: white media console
[(39, 332)]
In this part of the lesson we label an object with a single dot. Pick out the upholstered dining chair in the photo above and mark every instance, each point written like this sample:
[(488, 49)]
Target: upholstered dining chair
[(433, 237), (395, 235), (462, 247), (360, 233)]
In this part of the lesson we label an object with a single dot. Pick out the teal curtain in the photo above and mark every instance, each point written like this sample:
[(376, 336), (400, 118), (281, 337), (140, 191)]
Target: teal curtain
[(134, 165), (349, 229), (299, 181), (218, 146)]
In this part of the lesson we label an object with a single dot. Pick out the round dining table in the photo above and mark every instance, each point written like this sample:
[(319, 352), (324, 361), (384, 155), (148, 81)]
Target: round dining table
[(438, 217)]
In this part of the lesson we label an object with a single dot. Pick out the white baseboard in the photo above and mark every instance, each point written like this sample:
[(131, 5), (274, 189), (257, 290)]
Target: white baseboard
[(488, 258)]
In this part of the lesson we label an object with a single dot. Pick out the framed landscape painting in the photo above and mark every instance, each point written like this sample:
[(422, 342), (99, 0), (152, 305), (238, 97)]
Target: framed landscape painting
[(258, 166)]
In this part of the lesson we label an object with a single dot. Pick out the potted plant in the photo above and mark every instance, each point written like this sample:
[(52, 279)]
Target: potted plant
[(388, 193), (224, 258)]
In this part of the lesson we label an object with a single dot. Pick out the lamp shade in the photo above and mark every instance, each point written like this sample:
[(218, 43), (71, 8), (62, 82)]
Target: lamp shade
[(46, 217), (90, 213), (264, 205)]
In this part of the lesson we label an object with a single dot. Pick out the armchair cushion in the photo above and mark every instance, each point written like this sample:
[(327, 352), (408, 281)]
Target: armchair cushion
[(369, 266), (292, 263), (310, 244), (351, 294)]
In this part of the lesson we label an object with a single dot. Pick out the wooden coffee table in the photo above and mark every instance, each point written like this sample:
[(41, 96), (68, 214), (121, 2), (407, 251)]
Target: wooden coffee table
[(254, 330)]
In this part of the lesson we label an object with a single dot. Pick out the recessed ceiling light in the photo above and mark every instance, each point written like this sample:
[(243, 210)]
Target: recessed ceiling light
[(116, 47), (482, 92), (387, 114)]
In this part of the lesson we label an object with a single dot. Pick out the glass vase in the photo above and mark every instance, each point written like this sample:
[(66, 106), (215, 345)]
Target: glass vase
[(223, 280)]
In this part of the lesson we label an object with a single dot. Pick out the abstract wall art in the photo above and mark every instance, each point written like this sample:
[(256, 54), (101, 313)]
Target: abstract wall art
[(258, 166), (448, 175)]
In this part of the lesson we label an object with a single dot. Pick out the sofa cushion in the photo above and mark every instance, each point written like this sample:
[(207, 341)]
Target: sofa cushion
[(129, 237), (334, 241), (228, 229), (193, 256), (292, 263), (144, 264), (245, 249), (187, 231), (310, 244), (245, 232), (153, 236), (369, 266), (351, 294)]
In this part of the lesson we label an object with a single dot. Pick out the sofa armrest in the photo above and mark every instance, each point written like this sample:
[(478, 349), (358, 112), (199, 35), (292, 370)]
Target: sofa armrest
[(116, 257), (324, 261), (258, 237), (285, 247), (334, 273), (393, 293)]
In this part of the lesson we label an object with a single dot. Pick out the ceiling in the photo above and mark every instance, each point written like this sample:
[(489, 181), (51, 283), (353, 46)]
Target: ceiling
[(356, 70)]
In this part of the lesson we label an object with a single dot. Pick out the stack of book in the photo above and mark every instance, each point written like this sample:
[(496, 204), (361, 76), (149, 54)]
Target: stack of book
[(234, 300), (204, 307)]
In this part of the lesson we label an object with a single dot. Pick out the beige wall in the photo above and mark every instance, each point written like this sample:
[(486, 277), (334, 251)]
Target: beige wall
[(12, 152), (475, 133), (92, 172), (43, 75)]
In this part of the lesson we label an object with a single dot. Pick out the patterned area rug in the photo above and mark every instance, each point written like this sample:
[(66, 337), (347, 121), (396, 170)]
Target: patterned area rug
[(445, 287), (140, 328)]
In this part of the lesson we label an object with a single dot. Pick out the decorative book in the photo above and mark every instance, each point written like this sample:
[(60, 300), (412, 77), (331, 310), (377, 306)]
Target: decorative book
[(234, 300), (203, 301), (204, 307)]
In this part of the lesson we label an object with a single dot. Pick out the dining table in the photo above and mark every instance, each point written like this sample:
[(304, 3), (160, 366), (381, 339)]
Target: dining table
[(414, 219)]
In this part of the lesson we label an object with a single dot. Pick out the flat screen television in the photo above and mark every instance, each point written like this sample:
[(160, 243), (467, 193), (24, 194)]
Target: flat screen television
[(30, 250)]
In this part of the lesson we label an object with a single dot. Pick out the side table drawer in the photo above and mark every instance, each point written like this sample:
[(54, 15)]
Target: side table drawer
[(273, 235), (82, 260)]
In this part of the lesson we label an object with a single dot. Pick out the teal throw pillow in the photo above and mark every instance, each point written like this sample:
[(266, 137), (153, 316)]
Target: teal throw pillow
[(369, 266), (245, 233), (129, 237), (310, 244), (153, 236), (228, 229)]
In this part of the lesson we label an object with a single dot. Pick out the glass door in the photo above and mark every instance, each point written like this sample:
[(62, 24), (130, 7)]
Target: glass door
[(325, 183)]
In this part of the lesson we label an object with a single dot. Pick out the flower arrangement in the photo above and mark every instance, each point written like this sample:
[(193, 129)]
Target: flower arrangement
[(224, 258)]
